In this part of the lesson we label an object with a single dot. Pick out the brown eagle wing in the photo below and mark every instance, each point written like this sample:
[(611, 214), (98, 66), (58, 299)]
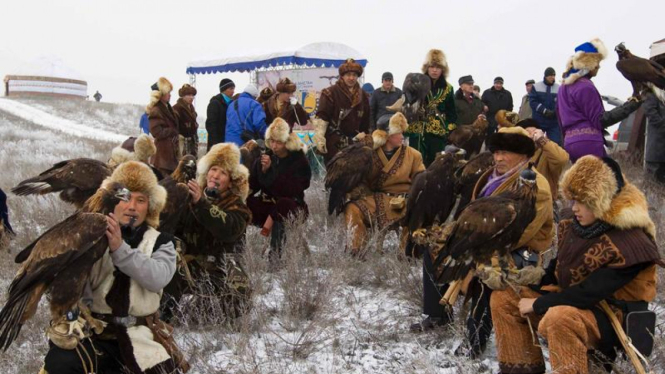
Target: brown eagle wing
[(642, 70), (346, 171), (177, 200)]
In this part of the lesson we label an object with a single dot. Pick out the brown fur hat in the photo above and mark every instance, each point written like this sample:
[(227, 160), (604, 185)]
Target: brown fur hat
[(592, 182), (505, 118), (436, 57), (396, 125), (159, 89), (285, 86), (138, 177), (227, 157), (187, 89), (133, 149), (584, 62), (350, 65), (265, 94), (279, 130), (511, 139)]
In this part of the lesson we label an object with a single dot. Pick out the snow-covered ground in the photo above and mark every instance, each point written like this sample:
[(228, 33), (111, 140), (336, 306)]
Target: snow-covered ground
[(319, 313)]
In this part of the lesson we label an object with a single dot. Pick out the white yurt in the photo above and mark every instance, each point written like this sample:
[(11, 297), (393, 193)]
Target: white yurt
[(46, 76)]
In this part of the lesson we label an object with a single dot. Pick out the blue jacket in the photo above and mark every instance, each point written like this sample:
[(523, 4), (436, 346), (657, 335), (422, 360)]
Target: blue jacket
[(248, 111), (542, 99), (144, 124)]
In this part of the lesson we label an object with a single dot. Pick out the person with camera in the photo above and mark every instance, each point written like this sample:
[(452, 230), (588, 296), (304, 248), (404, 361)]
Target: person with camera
[(212, 232), (245, 118), (278, 181), (605, 269), (284, 105)]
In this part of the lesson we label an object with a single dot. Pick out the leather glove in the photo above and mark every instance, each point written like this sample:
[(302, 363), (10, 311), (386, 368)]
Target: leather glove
[(492, 277), (67, 334), (319, 138)]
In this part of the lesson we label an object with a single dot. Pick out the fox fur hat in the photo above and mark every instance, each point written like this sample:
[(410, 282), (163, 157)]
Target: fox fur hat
[(279, 130), (159, 89), (285, 86), (396, 125), (227, 157), (350, 65), (600, 185), (138, 177), (511, 139), (187, 89), (505, 118), (586, 58), (436, 57), (133, 149)]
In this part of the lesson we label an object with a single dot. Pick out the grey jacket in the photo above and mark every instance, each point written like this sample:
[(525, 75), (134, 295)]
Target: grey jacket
[(655, 112), (379, 101)]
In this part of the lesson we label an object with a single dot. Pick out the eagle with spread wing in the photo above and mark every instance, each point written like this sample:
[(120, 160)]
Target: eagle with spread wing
[(641, 73), (177, 194), (489, 225), (345, 172), (76, 180), (59, 263)]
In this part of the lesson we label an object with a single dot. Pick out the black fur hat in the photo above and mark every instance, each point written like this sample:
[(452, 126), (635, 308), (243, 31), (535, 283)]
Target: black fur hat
[(512, 139)]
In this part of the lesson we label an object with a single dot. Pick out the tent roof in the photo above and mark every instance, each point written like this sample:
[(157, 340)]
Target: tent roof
[(314, 54), (48, 66)]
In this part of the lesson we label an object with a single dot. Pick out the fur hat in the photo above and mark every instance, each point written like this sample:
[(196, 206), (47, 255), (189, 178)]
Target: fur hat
[(586, 58), (133, 149), (227, 157), (350, 65), (187, 89), (265, 94), (159, 89), (600, 185), (512, 139), (505, 118), (436, 57), (279, 130), (285, 86), (528, 122), (396, 125), (138, 177)]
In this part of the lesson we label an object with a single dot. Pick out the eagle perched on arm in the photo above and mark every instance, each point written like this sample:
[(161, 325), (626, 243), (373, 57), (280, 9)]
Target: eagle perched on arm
[(346, 172), (489, 225), (641, 73), (59, 263), (177, 193)]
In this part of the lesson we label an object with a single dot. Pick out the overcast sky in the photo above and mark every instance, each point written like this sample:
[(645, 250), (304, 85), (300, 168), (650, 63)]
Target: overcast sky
[(121, 47)]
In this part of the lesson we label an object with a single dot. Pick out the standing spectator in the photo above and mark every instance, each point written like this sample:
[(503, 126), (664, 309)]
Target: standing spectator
[(654, 154), (369, 88), (216, 121), (579, 106), (283, 105), (468, 105), (144, 123), (245, 118), (496, 98), (542, 99), (430, 135), (97, 96), (163, 127), (476, 91), (525, 107), (343, 112), (189, 139), (383, 97)]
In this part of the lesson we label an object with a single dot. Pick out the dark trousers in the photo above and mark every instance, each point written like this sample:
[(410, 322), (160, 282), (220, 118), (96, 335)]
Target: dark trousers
[(432, 292), (479, 324), (105, 361)]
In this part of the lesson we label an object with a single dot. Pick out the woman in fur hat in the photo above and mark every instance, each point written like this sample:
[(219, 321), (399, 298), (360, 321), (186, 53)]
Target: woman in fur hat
[(213, 230), (430, 135), (281, 176), (580, 109), (283, 105), (125, 288), (394, 165), (606, 253), (163, 126), (187, 126)]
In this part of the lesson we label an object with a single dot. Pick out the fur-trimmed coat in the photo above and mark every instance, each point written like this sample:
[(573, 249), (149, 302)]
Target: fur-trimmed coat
[(186, 113), (164, 128), (292, 114), (539, 233)]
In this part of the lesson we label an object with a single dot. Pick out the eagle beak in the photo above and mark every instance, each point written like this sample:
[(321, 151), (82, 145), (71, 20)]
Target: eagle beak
[(124, 194)]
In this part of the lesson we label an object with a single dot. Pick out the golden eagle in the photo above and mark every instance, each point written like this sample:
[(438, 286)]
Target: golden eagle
[(346, 171), (470, 137), (487, 226), (178, 196), (467, 176), (250, 152), (641, 73), (415, 88), (59, 263), (5, 228), (76, 180)]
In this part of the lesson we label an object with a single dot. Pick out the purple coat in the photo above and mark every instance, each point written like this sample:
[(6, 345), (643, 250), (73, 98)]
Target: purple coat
[(580, 109)]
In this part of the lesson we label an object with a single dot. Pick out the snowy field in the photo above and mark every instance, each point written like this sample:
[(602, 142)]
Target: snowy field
[(320, 313)]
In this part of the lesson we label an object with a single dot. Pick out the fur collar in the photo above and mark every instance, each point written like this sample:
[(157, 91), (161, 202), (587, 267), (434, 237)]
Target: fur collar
[(629, 210)]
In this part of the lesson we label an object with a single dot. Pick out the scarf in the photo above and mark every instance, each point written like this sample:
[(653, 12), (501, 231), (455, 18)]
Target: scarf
[(354, 97), (495, 180), (227, 99), (594, 230)]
